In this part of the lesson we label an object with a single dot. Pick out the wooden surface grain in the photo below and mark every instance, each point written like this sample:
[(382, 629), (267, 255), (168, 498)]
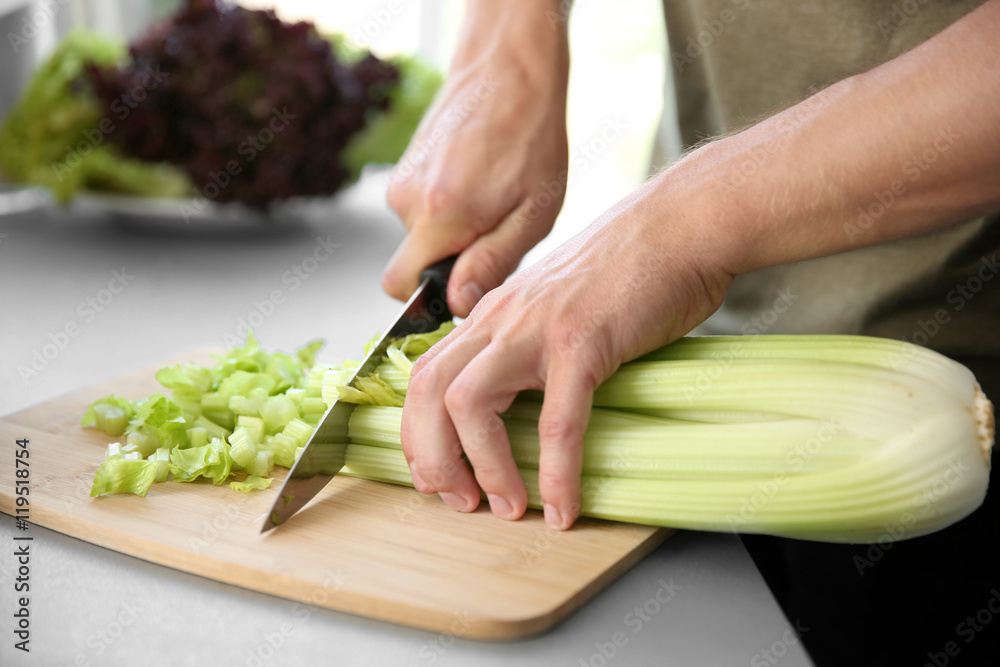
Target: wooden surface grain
[(367, 548)]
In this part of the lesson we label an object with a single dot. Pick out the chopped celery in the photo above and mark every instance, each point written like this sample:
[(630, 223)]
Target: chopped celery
[(316, 382), (254, 427), (186, 435), (332, 380), (144, 441), (283, 448), (109, 414), (299, 431), (214, 401), (277, 412), (153, 411), (243, 449), (162, 458), (241, 383), (371, 390), (262, 464), (186, 465), (214, 430), (220, 471), (313, 404), (187, 381), (251, 483), (399, 359), (415, 345), (173, 433), (197, 436), (122, 475), (250, 404)]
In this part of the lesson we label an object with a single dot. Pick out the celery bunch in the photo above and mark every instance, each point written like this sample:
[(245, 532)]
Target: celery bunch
[(827, 438)]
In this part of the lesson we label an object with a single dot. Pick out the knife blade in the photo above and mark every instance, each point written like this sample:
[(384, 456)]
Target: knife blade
[(323, 456)]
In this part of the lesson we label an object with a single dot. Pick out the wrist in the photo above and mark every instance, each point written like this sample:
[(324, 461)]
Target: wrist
[(529, 33)]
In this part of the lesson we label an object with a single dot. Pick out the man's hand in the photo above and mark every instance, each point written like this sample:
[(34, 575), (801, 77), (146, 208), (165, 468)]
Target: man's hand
[(629, 283), (485, 173)]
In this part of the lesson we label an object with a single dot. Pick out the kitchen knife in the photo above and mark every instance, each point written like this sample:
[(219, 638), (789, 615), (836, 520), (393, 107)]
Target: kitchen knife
[(324, 454)]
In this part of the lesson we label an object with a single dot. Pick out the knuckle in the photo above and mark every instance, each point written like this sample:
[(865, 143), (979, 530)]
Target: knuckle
[(560, 480), (559, 429), (438, 474), (398, 195), (425, 378), (441, 199), (492, 476), (460, 397)]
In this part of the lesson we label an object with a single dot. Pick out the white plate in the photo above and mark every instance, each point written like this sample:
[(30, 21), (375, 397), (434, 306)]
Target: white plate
[(191, 216)]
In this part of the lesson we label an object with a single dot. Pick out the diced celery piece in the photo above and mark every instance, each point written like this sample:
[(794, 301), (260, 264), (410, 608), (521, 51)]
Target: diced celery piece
[(299, 431), (254, 426), (110, 418), (242, 382), (262, 464), (332, 379), (296, 394), (298, 453), (145, 442), (90, 417), (162, 458), (283, 447), (114, 451), (249, 404), (132, 456), (223, 418), (277, 412), (314, 382), (242, 447), (197, 436), (214, 401), (313, 404), (214, 430)]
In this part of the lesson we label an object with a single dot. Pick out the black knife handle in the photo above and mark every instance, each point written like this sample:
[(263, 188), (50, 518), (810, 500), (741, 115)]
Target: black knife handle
[(438, 273)]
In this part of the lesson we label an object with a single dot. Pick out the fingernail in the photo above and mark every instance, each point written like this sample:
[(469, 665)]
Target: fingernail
[(454, 501), (553, 519), (418, 481), (471, 293), (500, 506)]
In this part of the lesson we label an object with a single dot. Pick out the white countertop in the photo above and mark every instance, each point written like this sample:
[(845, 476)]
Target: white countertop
[(187, 291)]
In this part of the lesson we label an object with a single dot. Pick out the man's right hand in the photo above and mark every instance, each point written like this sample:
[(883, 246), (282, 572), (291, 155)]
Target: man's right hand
[(485, 174)]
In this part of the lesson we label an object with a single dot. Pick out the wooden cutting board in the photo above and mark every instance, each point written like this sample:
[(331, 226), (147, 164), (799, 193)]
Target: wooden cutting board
[(377, 550)]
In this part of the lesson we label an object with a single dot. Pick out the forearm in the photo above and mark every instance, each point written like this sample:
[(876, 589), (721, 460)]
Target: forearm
[(532, 33), (909, 147)]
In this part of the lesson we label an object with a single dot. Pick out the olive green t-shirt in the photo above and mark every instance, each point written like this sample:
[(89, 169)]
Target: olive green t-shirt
[(734, 61)]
